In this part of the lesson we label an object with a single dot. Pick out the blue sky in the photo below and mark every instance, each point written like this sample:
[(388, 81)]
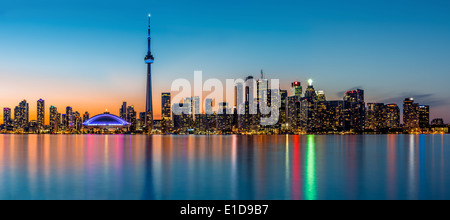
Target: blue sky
[(89, 54)]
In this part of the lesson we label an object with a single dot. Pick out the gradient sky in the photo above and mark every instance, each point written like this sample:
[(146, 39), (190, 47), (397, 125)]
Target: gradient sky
[(89, 54)]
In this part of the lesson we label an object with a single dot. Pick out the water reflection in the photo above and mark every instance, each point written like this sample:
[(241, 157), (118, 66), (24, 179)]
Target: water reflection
[(310, 186), (224, 167)]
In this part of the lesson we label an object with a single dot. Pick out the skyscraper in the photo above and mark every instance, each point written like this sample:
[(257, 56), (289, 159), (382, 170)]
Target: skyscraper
[(54, 124), (375, 116), (392, 116), (209, 106), (297, 89), (40, 113), (69, 117), (354, 110), (410, 113), (21, 115), (85, 116), (424, 116), (6, 116), (123, 111), (321, 96), (131, 117), (239, 98), (165, 106), (149, 59)]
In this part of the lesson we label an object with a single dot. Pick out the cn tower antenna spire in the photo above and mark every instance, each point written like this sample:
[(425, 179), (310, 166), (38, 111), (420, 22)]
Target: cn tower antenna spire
[(149, 59)]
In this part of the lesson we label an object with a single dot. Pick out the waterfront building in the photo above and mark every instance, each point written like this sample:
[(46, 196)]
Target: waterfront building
[(392, 116), (410, 114), (424, 116), (40, 114)]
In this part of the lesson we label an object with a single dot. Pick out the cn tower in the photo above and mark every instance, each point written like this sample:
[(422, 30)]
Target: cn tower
[(149, 59)]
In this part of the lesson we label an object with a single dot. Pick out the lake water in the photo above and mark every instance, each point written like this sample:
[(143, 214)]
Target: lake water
[(286, 167)]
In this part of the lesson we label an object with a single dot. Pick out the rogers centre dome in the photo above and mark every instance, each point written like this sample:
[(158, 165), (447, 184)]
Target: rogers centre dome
[(106, 121)]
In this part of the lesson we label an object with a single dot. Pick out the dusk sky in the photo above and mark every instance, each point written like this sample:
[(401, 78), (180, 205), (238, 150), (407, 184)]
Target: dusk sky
[(90, 54)]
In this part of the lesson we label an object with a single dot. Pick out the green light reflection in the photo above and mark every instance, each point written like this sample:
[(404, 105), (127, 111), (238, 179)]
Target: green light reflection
[(310, 185)]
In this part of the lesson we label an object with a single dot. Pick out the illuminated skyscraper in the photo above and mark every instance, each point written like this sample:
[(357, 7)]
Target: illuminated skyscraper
[(64, 122), (131, 117), (262, 85), (6, 116), (69, 117), (149, 59), (375, 116), (336, 114), (308, 109), (123, 111), (21, 115), (54, 124), (321, 96), (392, 116), (293, 113), (85, 116), (297, 89), (165, 106), (283, 101), (424, 116), (410, 113), (354, 110), (310, 92), (223, 119), (40, 114)]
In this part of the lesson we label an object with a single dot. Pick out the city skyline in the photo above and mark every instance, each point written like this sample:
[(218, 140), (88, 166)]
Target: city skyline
[(87, 80)]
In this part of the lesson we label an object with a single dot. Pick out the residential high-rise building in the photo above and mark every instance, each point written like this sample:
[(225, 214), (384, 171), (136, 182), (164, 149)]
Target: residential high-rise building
[(131, 118), (165, 106), (296, 89), (123, 111), (410, 114), (392, 116), (376, 116), (69, 117), (424, 116), (21, 115), (77, 121), (54, 124), (6, 116), (64, 123), (40, 114)]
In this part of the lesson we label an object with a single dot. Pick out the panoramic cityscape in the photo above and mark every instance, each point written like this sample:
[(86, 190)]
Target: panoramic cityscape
[(224, 100), (305, 111)]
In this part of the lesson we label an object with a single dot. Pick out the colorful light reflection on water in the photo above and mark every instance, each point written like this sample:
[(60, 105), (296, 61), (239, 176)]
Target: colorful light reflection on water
[(289, 167)]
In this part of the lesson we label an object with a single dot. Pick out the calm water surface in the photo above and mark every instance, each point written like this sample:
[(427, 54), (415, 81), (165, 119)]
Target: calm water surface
[(224, 167)]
